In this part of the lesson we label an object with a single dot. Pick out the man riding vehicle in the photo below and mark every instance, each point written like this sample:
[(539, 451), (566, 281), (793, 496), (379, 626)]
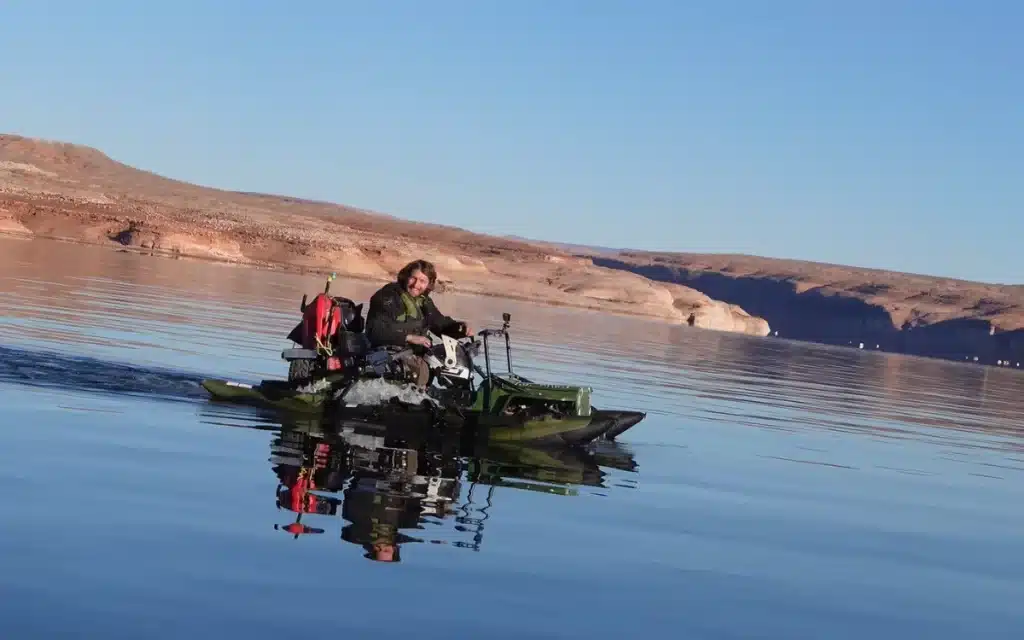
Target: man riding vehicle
[(401, 312)]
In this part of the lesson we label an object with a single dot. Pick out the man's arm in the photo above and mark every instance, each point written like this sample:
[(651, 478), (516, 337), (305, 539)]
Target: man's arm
[(440, 323)]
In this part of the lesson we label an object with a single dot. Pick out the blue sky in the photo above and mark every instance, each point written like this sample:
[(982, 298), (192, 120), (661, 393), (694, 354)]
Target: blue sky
[(875, 133)]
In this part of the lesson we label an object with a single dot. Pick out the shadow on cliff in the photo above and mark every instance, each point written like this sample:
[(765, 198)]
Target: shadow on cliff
[(836, 319), (807, 315), (966, 339)]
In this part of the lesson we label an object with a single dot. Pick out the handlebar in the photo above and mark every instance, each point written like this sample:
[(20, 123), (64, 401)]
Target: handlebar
[(491, 332)]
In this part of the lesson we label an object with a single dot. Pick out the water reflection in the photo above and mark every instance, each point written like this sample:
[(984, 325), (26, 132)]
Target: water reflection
[(393, 488), (393, 485)]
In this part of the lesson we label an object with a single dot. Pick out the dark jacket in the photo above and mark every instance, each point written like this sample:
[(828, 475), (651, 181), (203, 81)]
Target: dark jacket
[(388, 320)]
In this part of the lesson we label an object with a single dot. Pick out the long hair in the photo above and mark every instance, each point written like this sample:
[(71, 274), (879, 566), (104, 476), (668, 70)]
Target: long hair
[(425, 266)]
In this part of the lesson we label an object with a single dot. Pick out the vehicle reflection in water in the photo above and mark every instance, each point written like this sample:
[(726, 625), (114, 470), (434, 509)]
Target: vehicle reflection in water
[(391, 488)]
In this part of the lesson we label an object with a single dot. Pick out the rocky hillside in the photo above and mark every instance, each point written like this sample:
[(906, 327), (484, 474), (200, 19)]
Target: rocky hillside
[(71, 192), (842, 305)]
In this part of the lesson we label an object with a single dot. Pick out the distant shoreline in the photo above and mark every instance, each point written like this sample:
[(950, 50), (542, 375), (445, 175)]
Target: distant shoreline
[(318, 271), (72, 193)]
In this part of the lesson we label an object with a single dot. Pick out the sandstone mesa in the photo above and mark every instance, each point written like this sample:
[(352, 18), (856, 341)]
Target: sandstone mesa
[(72, 192)]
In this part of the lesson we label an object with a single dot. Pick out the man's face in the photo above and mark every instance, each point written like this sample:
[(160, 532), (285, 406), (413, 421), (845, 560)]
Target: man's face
[(383, 552), (417, 283)]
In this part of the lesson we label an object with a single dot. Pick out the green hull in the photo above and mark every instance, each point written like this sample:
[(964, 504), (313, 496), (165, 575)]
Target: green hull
[(266, 396), (497, 428)]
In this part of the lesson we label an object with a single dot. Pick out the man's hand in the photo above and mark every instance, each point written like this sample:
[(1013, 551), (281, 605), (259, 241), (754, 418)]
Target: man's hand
[(413, 338)]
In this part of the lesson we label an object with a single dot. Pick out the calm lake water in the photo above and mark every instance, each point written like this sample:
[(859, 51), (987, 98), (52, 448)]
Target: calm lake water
[(775, 490)]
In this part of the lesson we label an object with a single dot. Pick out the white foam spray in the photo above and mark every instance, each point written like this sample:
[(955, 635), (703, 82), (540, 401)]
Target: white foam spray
[(375, 391)]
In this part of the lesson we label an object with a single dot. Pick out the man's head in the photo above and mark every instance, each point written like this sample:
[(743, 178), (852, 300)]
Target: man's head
[(383, 552), (418, 277)]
